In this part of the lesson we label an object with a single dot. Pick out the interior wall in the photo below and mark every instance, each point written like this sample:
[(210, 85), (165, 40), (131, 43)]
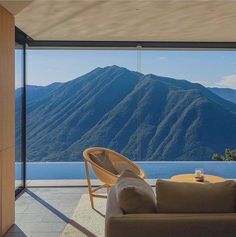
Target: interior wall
[(7, 120)]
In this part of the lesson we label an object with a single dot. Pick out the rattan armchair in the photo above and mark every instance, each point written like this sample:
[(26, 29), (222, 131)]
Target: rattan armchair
[(108, 179)]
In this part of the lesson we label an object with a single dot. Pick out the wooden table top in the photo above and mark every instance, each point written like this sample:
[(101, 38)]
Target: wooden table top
[(189, 178)]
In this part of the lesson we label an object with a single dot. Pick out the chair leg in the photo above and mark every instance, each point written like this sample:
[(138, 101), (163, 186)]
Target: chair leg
[(89, 184)]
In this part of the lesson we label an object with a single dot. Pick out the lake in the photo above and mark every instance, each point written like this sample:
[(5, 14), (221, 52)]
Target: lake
[(164, 170)]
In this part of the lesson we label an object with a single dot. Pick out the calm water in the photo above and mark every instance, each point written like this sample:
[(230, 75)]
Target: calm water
[(75, 170)]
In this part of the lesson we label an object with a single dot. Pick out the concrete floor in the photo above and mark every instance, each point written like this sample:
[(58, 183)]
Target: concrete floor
[(47, 207), (44, 212)]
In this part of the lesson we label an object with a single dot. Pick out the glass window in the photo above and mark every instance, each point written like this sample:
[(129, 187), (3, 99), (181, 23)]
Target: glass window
[(19, 64), (188, 111), (78, 99), (170, 110)]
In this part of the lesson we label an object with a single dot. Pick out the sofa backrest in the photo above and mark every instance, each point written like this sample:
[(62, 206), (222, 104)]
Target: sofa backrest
[(177, 197)]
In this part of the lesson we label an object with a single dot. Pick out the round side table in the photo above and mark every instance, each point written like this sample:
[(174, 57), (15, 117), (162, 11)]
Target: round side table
[(189, 178)]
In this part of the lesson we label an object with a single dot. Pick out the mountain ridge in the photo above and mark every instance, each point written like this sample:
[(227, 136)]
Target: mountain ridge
[(226, 93)]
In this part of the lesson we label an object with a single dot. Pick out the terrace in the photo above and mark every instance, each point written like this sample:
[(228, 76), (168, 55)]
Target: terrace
[(152, 80)]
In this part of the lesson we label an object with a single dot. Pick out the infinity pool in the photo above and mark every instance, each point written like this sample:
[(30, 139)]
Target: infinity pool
[(75, 170)]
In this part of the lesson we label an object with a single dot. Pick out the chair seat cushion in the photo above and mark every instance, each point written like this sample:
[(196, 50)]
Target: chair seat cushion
[(134, 195), (175, 197), (102, 160)]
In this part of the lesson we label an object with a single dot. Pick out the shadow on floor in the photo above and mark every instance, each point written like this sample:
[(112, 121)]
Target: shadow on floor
[(15, 231), (99, 212), (60, 215)]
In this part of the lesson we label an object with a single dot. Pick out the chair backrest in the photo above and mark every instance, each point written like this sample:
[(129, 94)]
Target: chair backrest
[(119, 161), (102, 174)]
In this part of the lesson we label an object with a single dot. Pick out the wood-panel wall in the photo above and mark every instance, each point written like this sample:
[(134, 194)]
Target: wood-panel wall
[(7, 120)]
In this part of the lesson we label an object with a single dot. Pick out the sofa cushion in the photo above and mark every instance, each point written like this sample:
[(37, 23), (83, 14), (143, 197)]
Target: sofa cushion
[(175, 197), (128, 173), (102, 160), (134, 195)]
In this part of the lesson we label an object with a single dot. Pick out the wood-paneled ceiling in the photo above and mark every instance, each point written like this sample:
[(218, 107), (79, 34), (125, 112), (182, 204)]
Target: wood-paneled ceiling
[(127, 20)]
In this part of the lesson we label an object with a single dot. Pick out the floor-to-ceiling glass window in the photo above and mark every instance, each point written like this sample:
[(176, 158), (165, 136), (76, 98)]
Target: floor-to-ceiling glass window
[(170, 110), (19, 83), (78, 99), (188, 111)]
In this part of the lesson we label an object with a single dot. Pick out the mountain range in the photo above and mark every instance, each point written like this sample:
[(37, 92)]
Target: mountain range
[(145, 117), (226, 93)]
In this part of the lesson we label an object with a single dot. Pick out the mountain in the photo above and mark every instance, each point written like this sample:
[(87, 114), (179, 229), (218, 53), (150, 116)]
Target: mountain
[(35, 93), (226, 93), (145, 117)]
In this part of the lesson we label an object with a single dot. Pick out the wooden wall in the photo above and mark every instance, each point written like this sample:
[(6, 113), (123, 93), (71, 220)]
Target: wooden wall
[(7, 120)]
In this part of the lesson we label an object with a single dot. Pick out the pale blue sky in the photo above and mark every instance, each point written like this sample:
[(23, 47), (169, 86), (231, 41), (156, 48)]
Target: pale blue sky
[(210, 68)]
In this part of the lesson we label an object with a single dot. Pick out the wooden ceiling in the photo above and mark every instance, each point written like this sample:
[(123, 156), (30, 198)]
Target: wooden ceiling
[(127, 20)]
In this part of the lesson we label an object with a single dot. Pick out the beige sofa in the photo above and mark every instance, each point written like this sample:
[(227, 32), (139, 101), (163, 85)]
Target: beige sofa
[(119, 224)]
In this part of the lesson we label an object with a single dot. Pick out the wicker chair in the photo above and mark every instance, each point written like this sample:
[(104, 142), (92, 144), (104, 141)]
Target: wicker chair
[(107, 178)]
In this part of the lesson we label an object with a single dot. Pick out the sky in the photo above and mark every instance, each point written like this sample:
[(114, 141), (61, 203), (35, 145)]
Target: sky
[(210, 68)]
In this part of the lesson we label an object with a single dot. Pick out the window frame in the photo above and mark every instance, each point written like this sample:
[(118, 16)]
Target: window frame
[(20, 39), (27, 42)]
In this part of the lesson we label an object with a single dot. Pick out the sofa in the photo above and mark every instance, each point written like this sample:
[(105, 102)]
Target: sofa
[(161, 224)]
